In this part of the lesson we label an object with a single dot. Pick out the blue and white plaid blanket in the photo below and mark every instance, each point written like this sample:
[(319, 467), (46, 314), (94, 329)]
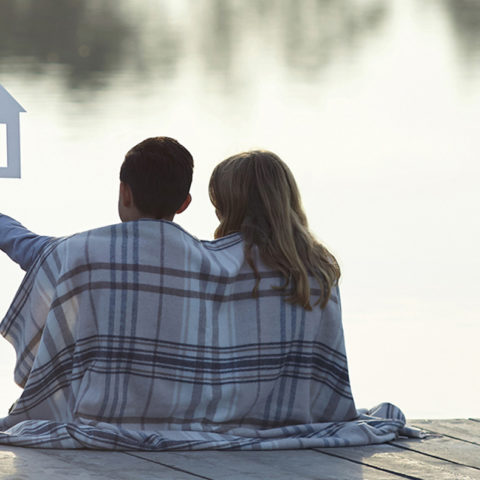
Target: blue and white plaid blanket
[(138, 336)]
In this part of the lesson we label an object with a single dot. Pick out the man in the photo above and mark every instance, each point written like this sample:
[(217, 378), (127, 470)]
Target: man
[(155, 180)]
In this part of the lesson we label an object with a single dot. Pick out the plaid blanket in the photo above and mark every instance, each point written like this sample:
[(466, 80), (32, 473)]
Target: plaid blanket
[(138, 336)]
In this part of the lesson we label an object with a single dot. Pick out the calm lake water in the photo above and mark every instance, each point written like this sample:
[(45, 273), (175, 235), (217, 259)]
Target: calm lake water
[(374, 104)]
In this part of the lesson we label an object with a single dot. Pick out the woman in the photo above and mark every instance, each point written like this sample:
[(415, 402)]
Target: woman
[(254, 193)]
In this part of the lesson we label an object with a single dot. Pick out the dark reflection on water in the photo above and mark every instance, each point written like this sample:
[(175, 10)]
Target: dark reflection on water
[(464, 16), (93, 39), (89, 38), (218, 37), (317, 34)]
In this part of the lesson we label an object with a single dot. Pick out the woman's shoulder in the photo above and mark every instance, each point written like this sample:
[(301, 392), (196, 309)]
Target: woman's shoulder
[(223, 243)]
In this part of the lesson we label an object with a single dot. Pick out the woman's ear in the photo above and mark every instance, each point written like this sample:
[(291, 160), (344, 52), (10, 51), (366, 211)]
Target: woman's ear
[(185, 204)]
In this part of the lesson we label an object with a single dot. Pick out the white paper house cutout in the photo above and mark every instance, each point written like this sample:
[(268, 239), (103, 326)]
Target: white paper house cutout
[(10, 115)]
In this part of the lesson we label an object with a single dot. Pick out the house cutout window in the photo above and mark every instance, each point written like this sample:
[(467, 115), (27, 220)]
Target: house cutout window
[(3, 145)]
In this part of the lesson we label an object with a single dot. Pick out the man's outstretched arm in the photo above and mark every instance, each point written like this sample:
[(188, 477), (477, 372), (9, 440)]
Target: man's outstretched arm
[(19, 243)]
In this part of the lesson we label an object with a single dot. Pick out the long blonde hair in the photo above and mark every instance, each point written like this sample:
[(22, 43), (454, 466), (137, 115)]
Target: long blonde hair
[(255, 194)]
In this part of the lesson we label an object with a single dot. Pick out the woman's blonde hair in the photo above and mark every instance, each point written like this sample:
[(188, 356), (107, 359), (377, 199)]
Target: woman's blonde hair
[(255, 194)]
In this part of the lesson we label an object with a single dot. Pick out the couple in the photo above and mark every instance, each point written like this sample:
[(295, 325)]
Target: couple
[(138, 336)]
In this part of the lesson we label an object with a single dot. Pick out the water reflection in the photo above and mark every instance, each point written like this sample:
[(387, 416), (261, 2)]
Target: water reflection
[(464, 16), (89, 38), (93, 39), (86, 37), (317, 34)]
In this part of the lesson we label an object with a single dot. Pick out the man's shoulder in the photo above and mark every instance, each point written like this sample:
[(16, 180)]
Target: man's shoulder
[(145, 234), (133, 231)]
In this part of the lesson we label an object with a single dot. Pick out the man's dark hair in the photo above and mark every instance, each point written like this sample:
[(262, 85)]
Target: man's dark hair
[(159, 172)]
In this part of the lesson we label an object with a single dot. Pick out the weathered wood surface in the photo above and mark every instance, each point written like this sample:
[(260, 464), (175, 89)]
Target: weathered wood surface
[(467, 430), (409, 463), (451, 452), (278, 465)]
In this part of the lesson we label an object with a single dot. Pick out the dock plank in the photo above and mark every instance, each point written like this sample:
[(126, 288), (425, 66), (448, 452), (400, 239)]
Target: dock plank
[(455, 451), (405, 462), (467, 430), (278, 465), (41, 464)]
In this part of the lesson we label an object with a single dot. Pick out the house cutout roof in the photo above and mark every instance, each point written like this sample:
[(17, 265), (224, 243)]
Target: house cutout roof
[(9, 107)]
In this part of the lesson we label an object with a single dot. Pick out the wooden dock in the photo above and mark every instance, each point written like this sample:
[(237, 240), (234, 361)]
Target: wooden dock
[(451, 452)]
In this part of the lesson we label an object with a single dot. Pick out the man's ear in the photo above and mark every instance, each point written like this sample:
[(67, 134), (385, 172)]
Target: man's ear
[(126, 196), (185, 204)]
